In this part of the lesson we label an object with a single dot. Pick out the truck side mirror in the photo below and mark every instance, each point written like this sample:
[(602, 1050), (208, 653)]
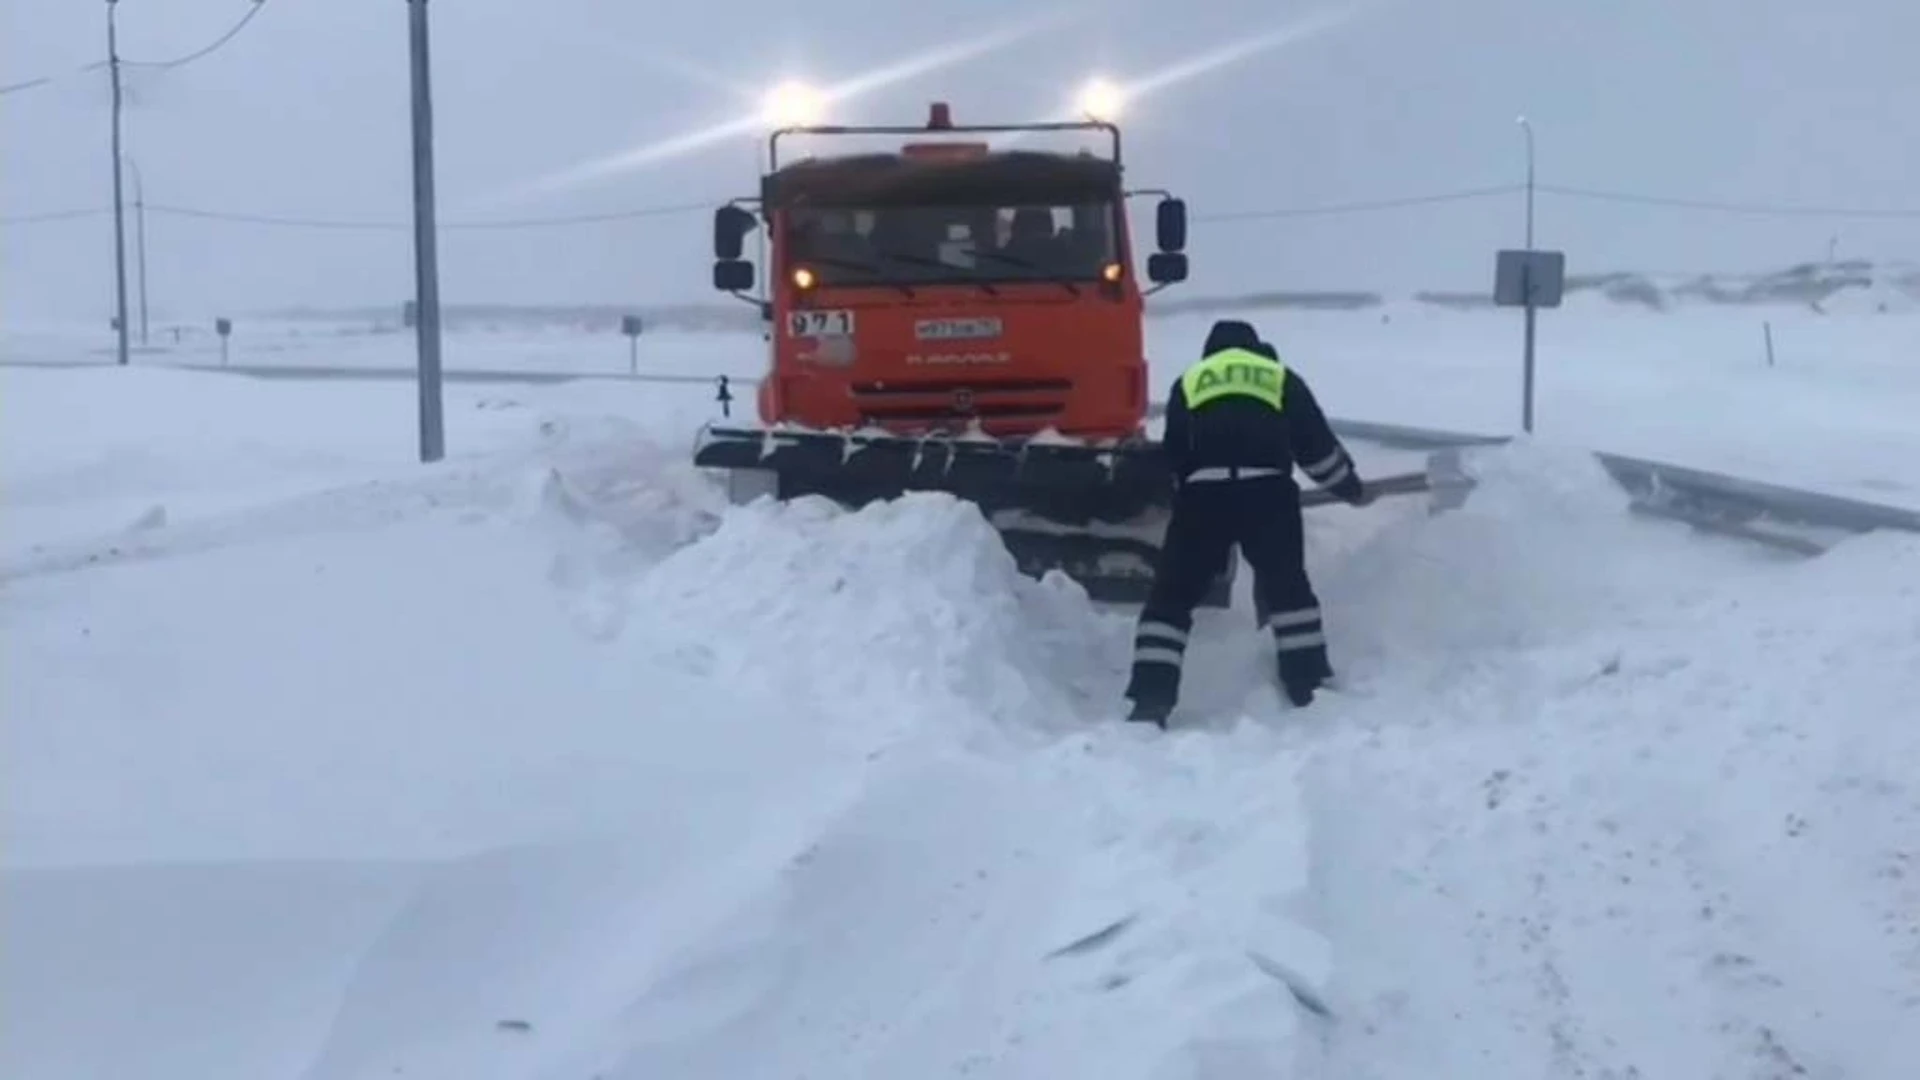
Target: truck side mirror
[(1167, 267), (1170, 225), (730, 228), (733, 275)]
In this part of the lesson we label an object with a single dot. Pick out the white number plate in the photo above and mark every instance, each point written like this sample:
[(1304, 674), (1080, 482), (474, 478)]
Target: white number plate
[(957, 329), (837, 322)]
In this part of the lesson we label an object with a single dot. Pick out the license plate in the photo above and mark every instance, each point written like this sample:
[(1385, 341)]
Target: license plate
[(973, 329), (833, 322)]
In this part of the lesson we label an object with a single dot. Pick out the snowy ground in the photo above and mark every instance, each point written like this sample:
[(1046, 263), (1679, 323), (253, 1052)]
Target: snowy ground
[(1692, 385), (544, 763)]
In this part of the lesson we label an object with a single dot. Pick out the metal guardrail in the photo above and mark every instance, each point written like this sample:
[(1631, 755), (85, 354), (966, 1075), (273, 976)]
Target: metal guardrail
[(1792, 519)]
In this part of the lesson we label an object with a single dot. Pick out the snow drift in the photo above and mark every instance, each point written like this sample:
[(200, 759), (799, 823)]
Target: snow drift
[(547, 765)]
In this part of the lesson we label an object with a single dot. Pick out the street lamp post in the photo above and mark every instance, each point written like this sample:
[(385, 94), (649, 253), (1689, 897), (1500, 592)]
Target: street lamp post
[(425, 257), (1526, 391), (119, 208), (1527, 126), (140, 242)]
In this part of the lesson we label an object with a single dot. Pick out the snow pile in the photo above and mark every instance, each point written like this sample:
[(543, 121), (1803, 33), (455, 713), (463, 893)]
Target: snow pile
[(1543, 549), (915, 600)]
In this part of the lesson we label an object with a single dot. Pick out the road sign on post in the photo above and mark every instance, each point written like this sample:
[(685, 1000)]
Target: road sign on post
[(630, 326), (224, 327), (1529, 280)]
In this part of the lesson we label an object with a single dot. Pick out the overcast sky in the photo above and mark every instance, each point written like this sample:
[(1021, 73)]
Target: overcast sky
[(304, 114)]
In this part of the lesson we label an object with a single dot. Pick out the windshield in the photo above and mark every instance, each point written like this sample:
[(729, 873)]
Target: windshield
[(916, 245)]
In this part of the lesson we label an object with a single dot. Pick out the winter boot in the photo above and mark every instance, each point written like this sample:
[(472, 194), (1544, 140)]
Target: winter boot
[(1302, 673), (1151, 711)]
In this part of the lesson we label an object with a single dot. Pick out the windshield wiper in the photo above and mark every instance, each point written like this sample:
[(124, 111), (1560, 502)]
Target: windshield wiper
[(1025, 264), (922, 260), (859, 266)]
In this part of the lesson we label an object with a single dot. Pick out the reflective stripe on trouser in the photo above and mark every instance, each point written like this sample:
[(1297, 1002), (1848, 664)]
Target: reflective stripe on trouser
[(1157, 642), (1297, 629), (1159, 649), (1262, 516), (1300, 646)]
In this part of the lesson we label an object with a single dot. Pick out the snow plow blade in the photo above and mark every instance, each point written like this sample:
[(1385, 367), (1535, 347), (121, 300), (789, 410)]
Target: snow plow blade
[(1094, 512)]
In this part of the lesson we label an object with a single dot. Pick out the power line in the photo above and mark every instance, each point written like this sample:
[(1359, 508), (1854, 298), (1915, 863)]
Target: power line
[(271, 219), (1363, 207), (198, 53), (161, 65), (586, 219), (27, 85), (1753, 209), (369, 223), (56, 215), (1358, 207)]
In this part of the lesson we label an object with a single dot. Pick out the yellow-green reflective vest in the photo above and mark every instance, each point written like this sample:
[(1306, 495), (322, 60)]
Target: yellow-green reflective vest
[(1235, 371)]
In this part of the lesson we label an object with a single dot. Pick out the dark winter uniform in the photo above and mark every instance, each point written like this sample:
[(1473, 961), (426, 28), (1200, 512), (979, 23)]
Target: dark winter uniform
[(1237, 423)]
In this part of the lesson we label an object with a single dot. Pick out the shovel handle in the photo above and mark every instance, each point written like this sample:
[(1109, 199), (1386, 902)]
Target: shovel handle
[(1412, 483)]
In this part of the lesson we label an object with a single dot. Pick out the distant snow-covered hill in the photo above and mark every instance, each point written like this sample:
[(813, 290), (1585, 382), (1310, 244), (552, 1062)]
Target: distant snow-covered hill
[(1846, 287)]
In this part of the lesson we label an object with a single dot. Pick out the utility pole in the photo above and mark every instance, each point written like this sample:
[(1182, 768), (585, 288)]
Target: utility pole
[(119, 208), (426, 262)]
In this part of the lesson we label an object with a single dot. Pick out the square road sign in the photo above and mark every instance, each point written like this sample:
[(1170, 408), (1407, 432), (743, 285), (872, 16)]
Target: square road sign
[(1518, 275)]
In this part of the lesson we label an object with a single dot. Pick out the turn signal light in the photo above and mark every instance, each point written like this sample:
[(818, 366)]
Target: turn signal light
[(803, 278), (1111, 272)]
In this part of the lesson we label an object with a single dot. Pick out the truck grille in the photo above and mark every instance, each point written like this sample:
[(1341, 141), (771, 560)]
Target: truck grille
[(961, 400)]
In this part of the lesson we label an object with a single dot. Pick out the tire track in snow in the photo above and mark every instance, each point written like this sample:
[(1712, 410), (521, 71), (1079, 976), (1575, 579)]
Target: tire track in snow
[(1839, 1000), (1686, 863), (1519, 917)]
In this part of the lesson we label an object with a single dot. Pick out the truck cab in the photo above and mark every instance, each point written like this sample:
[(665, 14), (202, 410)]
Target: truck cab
[(951, 287), (948, 315)]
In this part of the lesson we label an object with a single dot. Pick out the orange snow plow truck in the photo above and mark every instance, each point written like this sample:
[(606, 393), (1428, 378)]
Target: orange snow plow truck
[(947, 315)]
